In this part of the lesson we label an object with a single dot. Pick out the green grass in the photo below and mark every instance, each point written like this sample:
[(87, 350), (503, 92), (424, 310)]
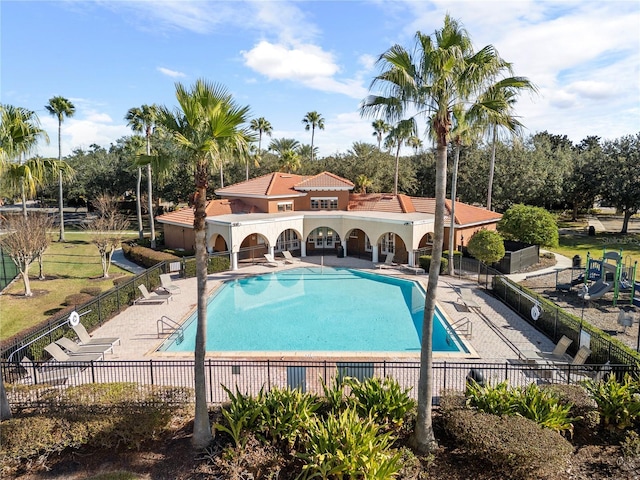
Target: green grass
[(580, 244), (69, 267)]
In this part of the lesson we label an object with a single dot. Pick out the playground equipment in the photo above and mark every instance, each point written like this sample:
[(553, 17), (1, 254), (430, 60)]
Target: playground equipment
[(635, 295), (609, 273)]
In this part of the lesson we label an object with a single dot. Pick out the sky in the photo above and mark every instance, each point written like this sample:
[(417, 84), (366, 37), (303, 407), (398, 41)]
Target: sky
[(287, 58)]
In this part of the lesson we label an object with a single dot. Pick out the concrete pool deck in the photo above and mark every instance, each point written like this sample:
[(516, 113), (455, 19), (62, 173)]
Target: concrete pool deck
[(498, 333)]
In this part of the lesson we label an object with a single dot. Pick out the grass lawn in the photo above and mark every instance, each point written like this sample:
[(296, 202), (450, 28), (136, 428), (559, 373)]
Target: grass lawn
[(580, 244), (68, 267)]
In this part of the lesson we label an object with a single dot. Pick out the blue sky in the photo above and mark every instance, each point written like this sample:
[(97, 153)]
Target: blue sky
[(285, 59)]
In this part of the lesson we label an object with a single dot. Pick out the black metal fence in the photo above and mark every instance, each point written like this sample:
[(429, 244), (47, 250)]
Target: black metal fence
[(8, 270), (249, 377)]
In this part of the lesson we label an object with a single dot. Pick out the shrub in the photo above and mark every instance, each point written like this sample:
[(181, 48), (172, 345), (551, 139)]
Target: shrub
[(584, 409), (533, 225), (487, 246), (514, 446), (425, 263), (382, 400), (214, 265), (618, 402), (93, 291), (146, 256)]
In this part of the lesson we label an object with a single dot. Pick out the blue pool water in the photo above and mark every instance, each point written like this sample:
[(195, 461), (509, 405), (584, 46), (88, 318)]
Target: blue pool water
[(316, 309)]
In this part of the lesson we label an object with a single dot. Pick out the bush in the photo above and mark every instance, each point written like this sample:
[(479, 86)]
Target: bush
[(487, 246), (425, 263), (618, 402), (533, 225), (146, 256), (382, 400), (514, 446), (584, 409), (214, 265)]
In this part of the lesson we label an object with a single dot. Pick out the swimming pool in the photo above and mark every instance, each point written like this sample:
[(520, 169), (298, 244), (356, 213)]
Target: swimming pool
[(317, 310)]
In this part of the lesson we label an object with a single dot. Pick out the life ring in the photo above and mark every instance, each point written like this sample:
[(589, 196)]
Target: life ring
[(535, 312), (74, 318)]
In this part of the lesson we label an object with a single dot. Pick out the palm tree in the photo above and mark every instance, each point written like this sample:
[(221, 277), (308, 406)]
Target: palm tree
[(60, 108), (281, 145), (363, 182), (398, 136), (143, 119), (311, 121), (498, 103), (289, 161), (260, 125), (208, 127), (19, 135), (442, 71), (380, 127)]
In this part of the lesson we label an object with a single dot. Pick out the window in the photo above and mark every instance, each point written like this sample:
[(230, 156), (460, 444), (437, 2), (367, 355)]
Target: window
[(367, 244), (389, 243), (324, 203), (285, 206), (323, 237), (288, 240)]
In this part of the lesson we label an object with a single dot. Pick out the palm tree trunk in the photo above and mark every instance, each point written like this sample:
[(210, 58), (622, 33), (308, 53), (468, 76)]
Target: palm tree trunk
[(61, 239), (313, 132), (452, 223), (221, 176), (395, 178), (492, 165), (202, 434), (5, 409), (24, 200), (139, 204), (424, 439), (151, 210)]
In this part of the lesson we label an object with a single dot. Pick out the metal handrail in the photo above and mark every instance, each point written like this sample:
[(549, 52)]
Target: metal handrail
[(463, 326), (166, 325)]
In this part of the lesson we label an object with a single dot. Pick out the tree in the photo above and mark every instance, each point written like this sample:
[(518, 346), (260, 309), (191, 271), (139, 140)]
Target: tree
[(442, 71), (107, 230), (581, 186), (487, 246), (143, 119), (380, 128), (311, 121), (620, 183), (533, 225), (260, 125), (26, 240), (363, 182), (60, 108), (398, 136), (209, 126)]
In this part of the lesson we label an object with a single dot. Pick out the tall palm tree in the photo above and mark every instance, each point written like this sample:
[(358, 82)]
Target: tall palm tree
[(398, 136), (380, 128), (143, 120), (289, 161), (260, 125), (60, 108), (498, 102), (20, 133), (208, 126), (442, 71), (311, 121), (281, 145)]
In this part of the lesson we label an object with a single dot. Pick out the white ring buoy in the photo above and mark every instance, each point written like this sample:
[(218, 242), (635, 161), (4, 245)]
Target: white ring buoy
[(535, 312), (74, 318)]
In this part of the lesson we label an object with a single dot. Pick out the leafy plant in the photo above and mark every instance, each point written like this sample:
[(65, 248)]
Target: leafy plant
[(384, 400), (334, 395), (240, 415), (618, 402)]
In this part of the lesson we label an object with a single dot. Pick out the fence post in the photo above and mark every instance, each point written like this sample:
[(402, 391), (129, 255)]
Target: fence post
[(99, 311), (268, 375), (384, 369), (210, 378), (151, 370), (506, 371), (93, 373), (444, 374)]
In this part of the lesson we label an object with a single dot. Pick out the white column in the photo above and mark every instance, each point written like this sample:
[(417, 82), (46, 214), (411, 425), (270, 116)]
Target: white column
[(234, 261), (411, 258), (374, 258), (344, 247), (303, 248), (272, 250)]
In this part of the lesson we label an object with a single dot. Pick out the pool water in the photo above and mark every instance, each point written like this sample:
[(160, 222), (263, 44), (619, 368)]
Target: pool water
[(316, 309)]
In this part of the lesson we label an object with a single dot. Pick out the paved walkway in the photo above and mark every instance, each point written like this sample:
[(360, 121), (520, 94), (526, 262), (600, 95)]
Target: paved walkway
[(497, 332), (121, 261)]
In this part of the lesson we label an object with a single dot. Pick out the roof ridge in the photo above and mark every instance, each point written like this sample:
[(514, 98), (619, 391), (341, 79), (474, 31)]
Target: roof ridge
[(271, 183)]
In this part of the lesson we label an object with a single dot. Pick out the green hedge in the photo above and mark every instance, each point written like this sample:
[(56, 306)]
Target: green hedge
[(146, 256), (214, 265), (425, 263)]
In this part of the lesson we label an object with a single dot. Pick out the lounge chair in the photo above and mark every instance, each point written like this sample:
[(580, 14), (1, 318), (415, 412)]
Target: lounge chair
[(288, 258), (466, 296), (272, 262), (86, 339), (388, 262), (558, 353), (152, 297), (562, 367), (167, 284), (53, 375), (59, 355), (73, 348)]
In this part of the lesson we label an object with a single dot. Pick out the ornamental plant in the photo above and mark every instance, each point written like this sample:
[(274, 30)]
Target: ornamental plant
[(533, 225)]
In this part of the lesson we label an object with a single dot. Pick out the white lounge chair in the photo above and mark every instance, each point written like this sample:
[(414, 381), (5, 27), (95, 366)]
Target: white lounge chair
[(388, 262), (272, 262), (52, 375), (558, 353), (73, 348), (86, 339), (152, 297), (167, 284), (60, 356), (466, 296), (288, 258)]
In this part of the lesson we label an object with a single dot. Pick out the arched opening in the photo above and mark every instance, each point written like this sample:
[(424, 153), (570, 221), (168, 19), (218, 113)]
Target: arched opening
[(425, 246), (252, 248), (358, 244), (217, 243), (288, 240), (392, 244), (323, 241)]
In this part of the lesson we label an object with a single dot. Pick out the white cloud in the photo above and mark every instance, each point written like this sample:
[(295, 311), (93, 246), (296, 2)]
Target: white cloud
[(171, 73)]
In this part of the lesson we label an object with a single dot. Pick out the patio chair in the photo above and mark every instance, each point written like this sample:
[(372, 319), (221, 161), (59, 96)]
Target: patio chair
[(52, 375), (466, 296), (72, 348), (86, 339), (288, 258), (167, 284), (272, 262), (388, 262), (152, 297), (558, 353), (59, 355)]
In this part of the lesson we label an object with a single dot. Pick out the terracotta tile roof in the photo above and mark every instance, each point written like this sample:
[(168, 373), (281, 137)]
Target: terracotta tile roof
[(324, 180), (375, 202), (184, 216), (276, 184)]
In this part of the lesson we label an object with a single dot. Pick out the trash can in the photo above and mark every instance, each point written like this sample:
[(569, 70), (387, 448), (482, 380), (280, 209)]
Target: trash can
[(340, 251), (592, 231), (577, 261)]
